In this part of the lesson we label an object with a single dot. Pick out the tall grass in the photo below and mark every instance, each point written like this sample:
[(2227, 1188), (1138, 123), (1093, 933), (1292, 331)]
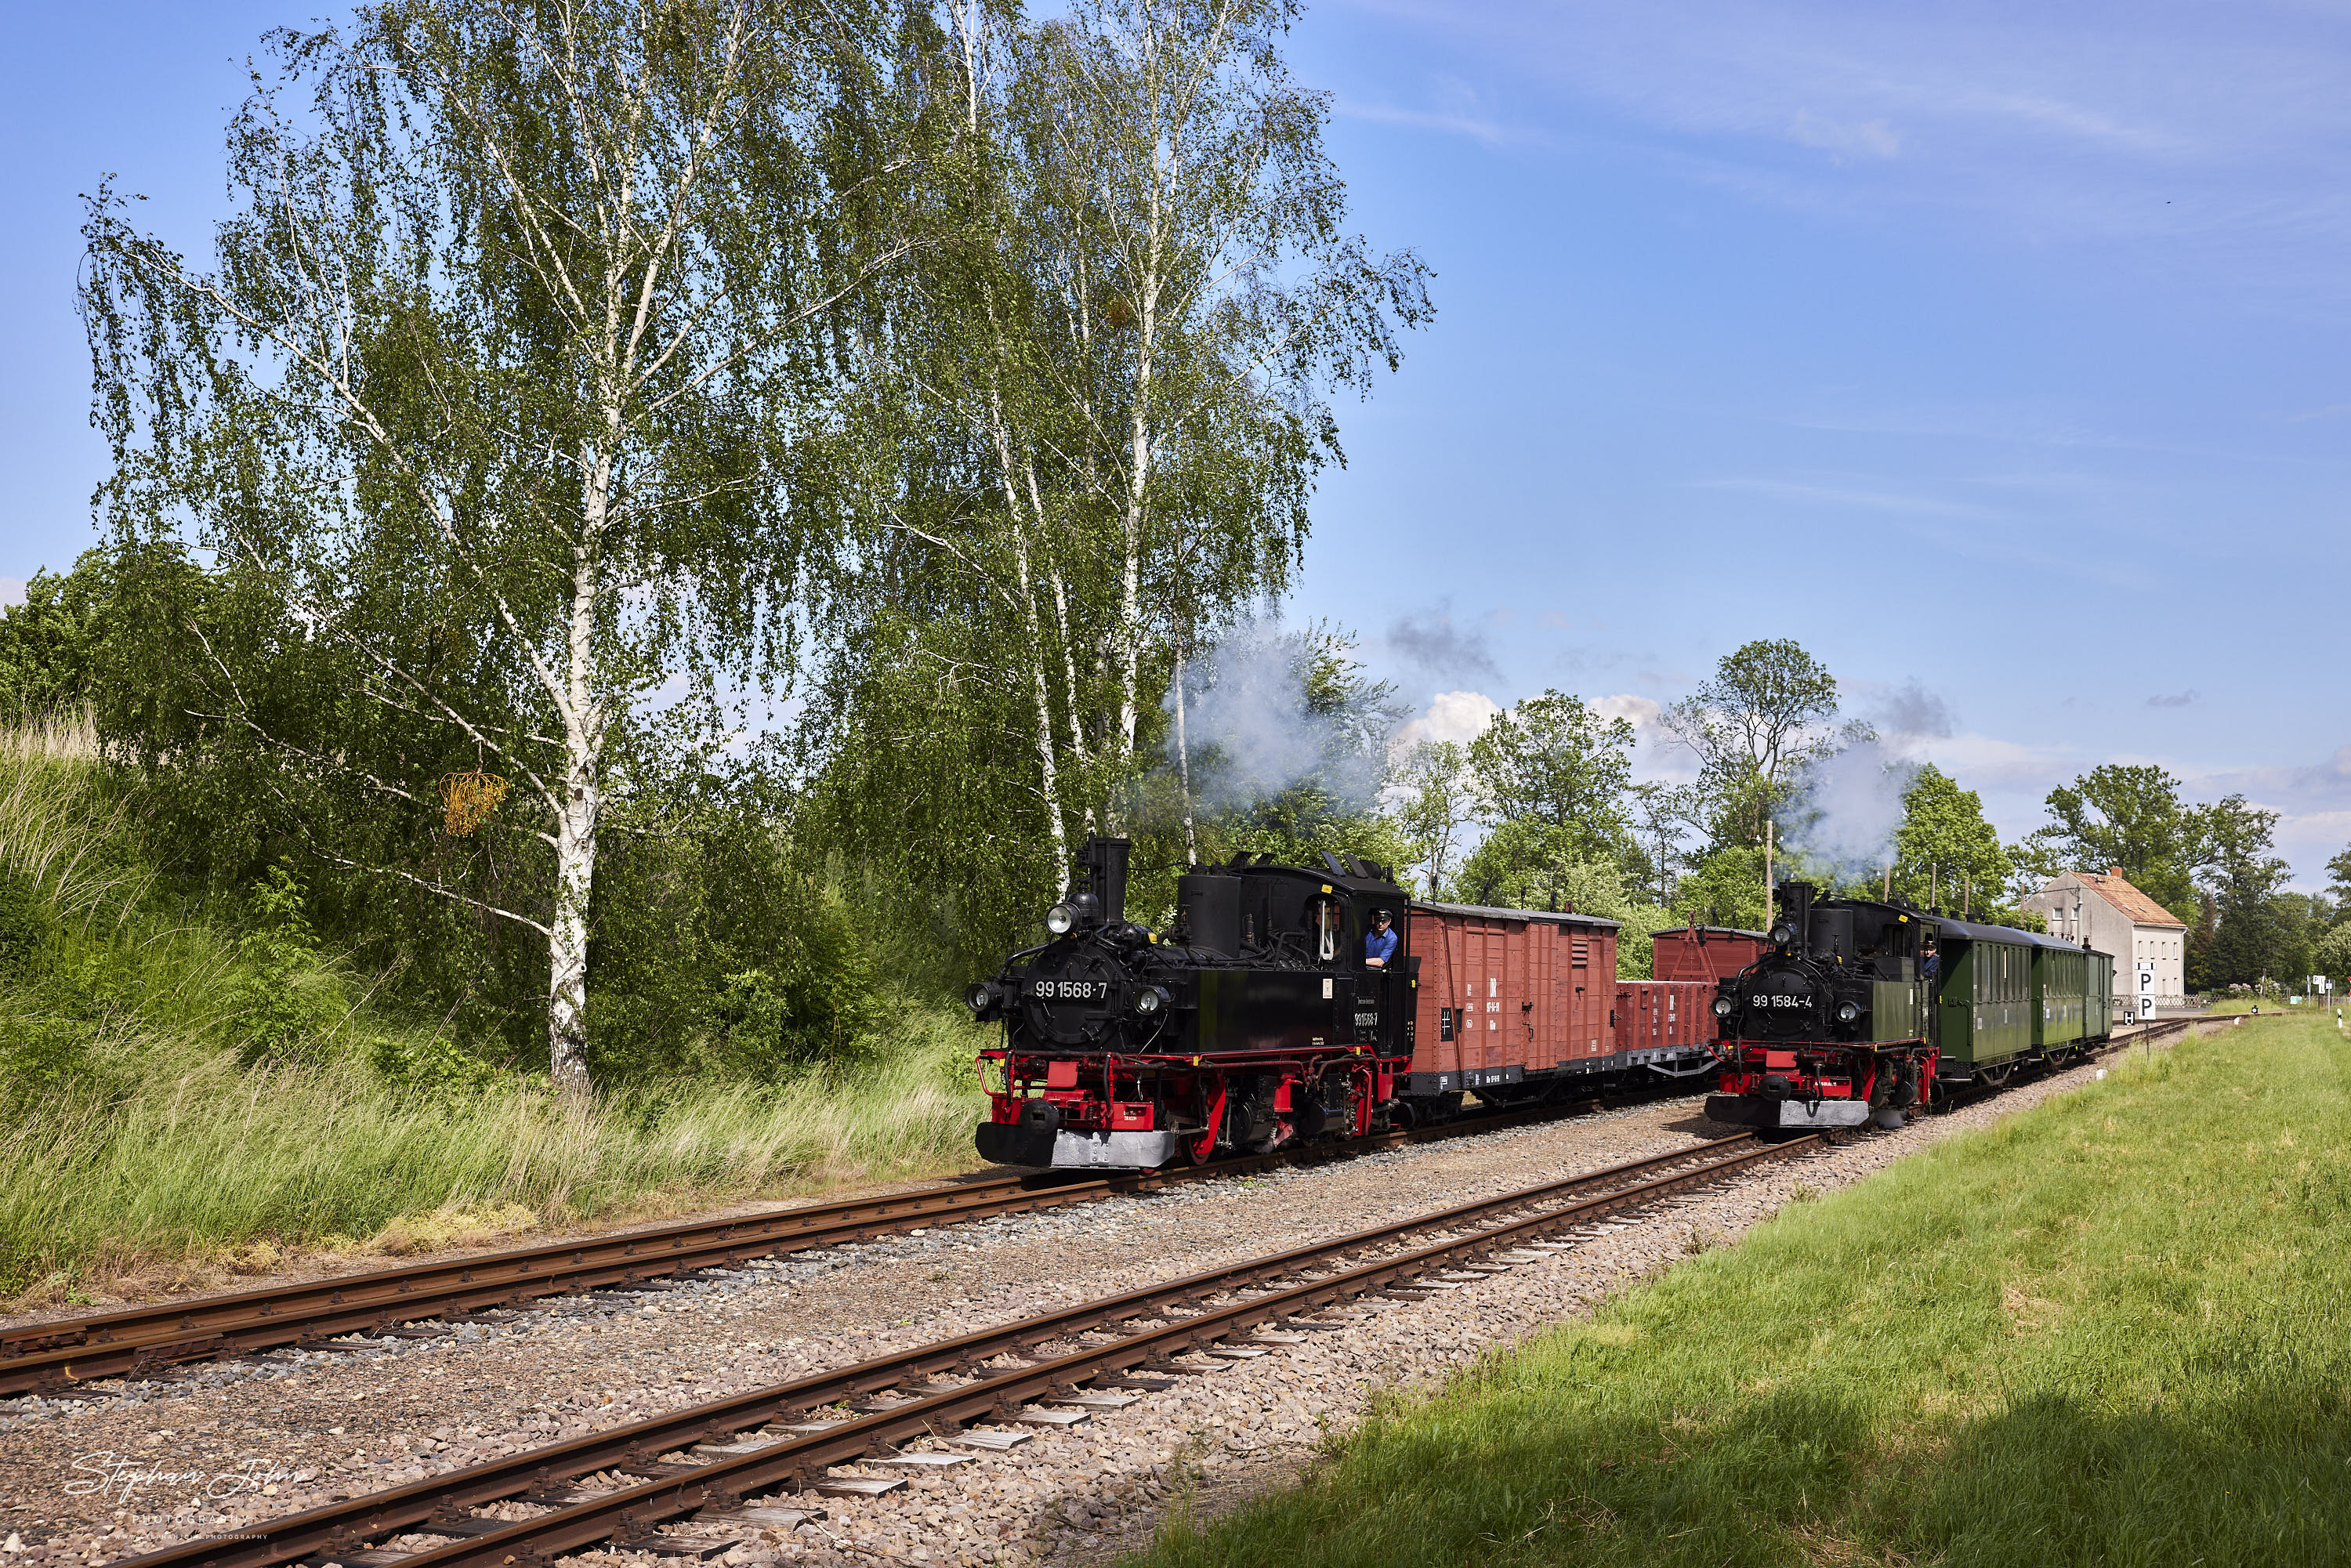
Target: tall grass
[(133, 1138), (216, 1159), (2108, 1331), (60, 825)]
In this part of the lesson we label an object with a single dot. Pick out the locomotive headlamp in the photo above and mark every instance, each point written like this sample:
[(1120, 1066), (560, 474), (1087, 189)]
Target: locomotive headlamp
[(982, 997), (1060, 918), (1847, 1012), (1085, 904), (1150, 1000), (1783, 934), (1722, 1007)]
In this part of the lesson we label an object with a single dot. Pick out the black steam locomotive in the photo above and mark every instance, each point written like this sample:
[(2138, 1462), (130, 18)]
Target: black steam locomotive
[(1253, 1021), (1862, 1008)]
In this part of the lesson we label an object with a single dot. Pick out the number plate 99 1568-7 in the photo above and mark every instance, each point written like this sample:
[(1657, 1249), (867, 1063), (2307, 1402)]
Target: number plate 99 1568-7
[(1073, 990)]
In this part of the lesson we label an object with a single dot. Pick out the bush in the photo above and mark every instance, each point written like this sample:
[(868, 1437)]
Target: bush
[(283, 1002)]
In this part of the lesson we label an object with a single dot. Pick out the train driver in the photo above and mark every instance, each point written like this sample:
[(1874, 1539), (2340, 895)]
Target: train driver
[(1379, 942)]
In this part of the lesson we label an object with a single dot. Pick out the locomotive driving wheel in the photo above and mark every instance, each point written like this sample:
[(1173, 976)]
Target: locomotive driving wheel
[(1201, 1148)]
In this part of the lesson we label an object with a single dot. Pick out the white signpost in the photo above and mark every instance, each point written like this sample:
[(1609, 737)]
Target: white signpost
[(2146, 988)]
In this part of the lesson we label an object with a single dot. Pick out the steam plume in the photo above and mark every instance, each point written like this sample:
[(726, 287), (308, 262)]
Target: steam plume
[(1255, 732), (1841, 820)]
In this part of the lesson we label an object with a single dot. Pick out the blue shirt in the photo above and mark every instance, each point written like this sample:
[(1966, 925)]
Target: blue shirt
[(1380, 944)]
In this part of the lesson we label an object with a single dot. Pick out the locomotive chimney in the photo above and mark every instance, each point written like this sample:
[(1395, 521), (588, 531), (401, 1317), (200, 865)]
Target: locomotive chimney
[(1796, 908), (1101, 869)]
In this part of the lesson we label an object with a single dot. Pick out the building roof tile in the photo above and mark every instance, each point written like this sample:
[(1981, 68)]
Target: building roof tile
[(2127, 900)]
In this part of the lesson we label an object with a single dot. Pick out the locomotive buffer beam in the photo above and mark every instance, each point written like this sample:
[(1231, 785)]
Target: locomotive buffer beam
[(1745, 1111)]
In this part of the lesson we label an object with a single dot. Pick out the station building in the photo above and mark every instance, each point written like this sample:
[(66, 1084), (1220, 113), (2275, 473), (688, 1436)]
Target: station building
[(2147, 943)]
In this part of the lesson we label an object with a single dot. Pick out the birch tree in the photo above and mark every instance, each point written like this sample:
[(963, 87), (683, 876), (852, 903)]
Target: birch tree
[(500, 390), (1109, 378), (1209, 296)]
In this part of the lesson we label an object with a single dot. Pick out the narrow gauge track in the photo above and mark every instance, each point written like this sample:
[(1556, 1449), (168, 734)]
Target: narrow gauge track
[(52, 1358), (788, 1451)]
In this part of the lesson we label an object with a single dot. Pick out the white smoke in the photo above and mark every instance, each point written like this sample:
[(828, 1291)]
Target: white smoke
[(1252, 729), (1839, 824)]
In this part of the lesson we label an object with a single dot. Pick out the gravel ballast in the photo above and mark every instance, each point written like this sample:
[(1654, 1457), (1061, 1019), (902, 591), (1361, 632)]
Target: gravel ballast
[(232, 1444)]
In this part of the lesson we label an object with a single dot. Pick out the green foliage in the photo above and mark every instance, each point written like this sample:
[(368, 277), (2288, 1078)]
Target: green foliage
[(353, 411), (1754, 725), (1106, 396), (1726, 888), (432, 1066), (812, 1005), (1559, 773), (2009, 1349), (2131, 817), (1434, 812), (280, 1011), (1945, 846), (2331, 954), (44, 661), (30, 931), (2259, 935)]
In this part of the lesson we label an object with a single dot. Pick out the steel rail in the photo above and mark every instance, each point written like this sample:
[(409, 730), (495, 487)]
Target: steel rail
[(57, 1355), (337, 1532)]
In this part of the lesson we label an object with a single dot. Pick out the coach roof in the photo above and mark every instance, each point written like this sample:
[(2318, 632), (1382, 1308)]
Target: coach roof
[(1968, 931)]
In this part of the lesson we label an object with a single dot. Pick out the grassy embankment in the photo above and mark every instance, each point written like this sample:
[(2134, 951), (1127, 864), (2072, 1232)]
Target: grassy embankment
[(2111, 1330), (136, 1144)]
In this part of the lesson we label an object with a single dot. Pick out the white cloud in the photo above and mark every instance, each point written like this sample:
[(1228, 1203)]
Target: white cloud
[(1491, 132), (1451, 715), (1644, 712), (1658, 754)]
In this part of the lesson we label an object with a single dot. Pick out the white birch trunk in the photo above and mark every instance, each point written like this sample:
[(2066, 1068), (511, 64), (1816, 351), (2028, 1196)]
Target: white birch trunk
[(1051, 779), (581, 804), (1069, 674), (1040, 691)]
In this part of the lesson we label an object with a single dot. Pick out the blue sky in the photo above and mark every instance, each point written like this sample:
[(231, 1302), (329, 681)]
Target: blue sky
[(1999, 354)]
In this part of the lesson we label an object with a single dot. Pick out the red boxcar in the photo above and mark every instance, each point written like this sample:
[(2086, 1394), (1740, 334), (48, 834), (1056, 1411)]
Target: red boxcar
[(1508, 996), (1707, 953), (1658, 1021)]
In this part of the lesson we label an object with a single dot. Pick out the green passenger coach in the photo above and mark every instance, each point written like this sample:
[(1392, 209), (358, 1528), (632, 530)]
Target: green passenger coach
[(2005, 996)]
